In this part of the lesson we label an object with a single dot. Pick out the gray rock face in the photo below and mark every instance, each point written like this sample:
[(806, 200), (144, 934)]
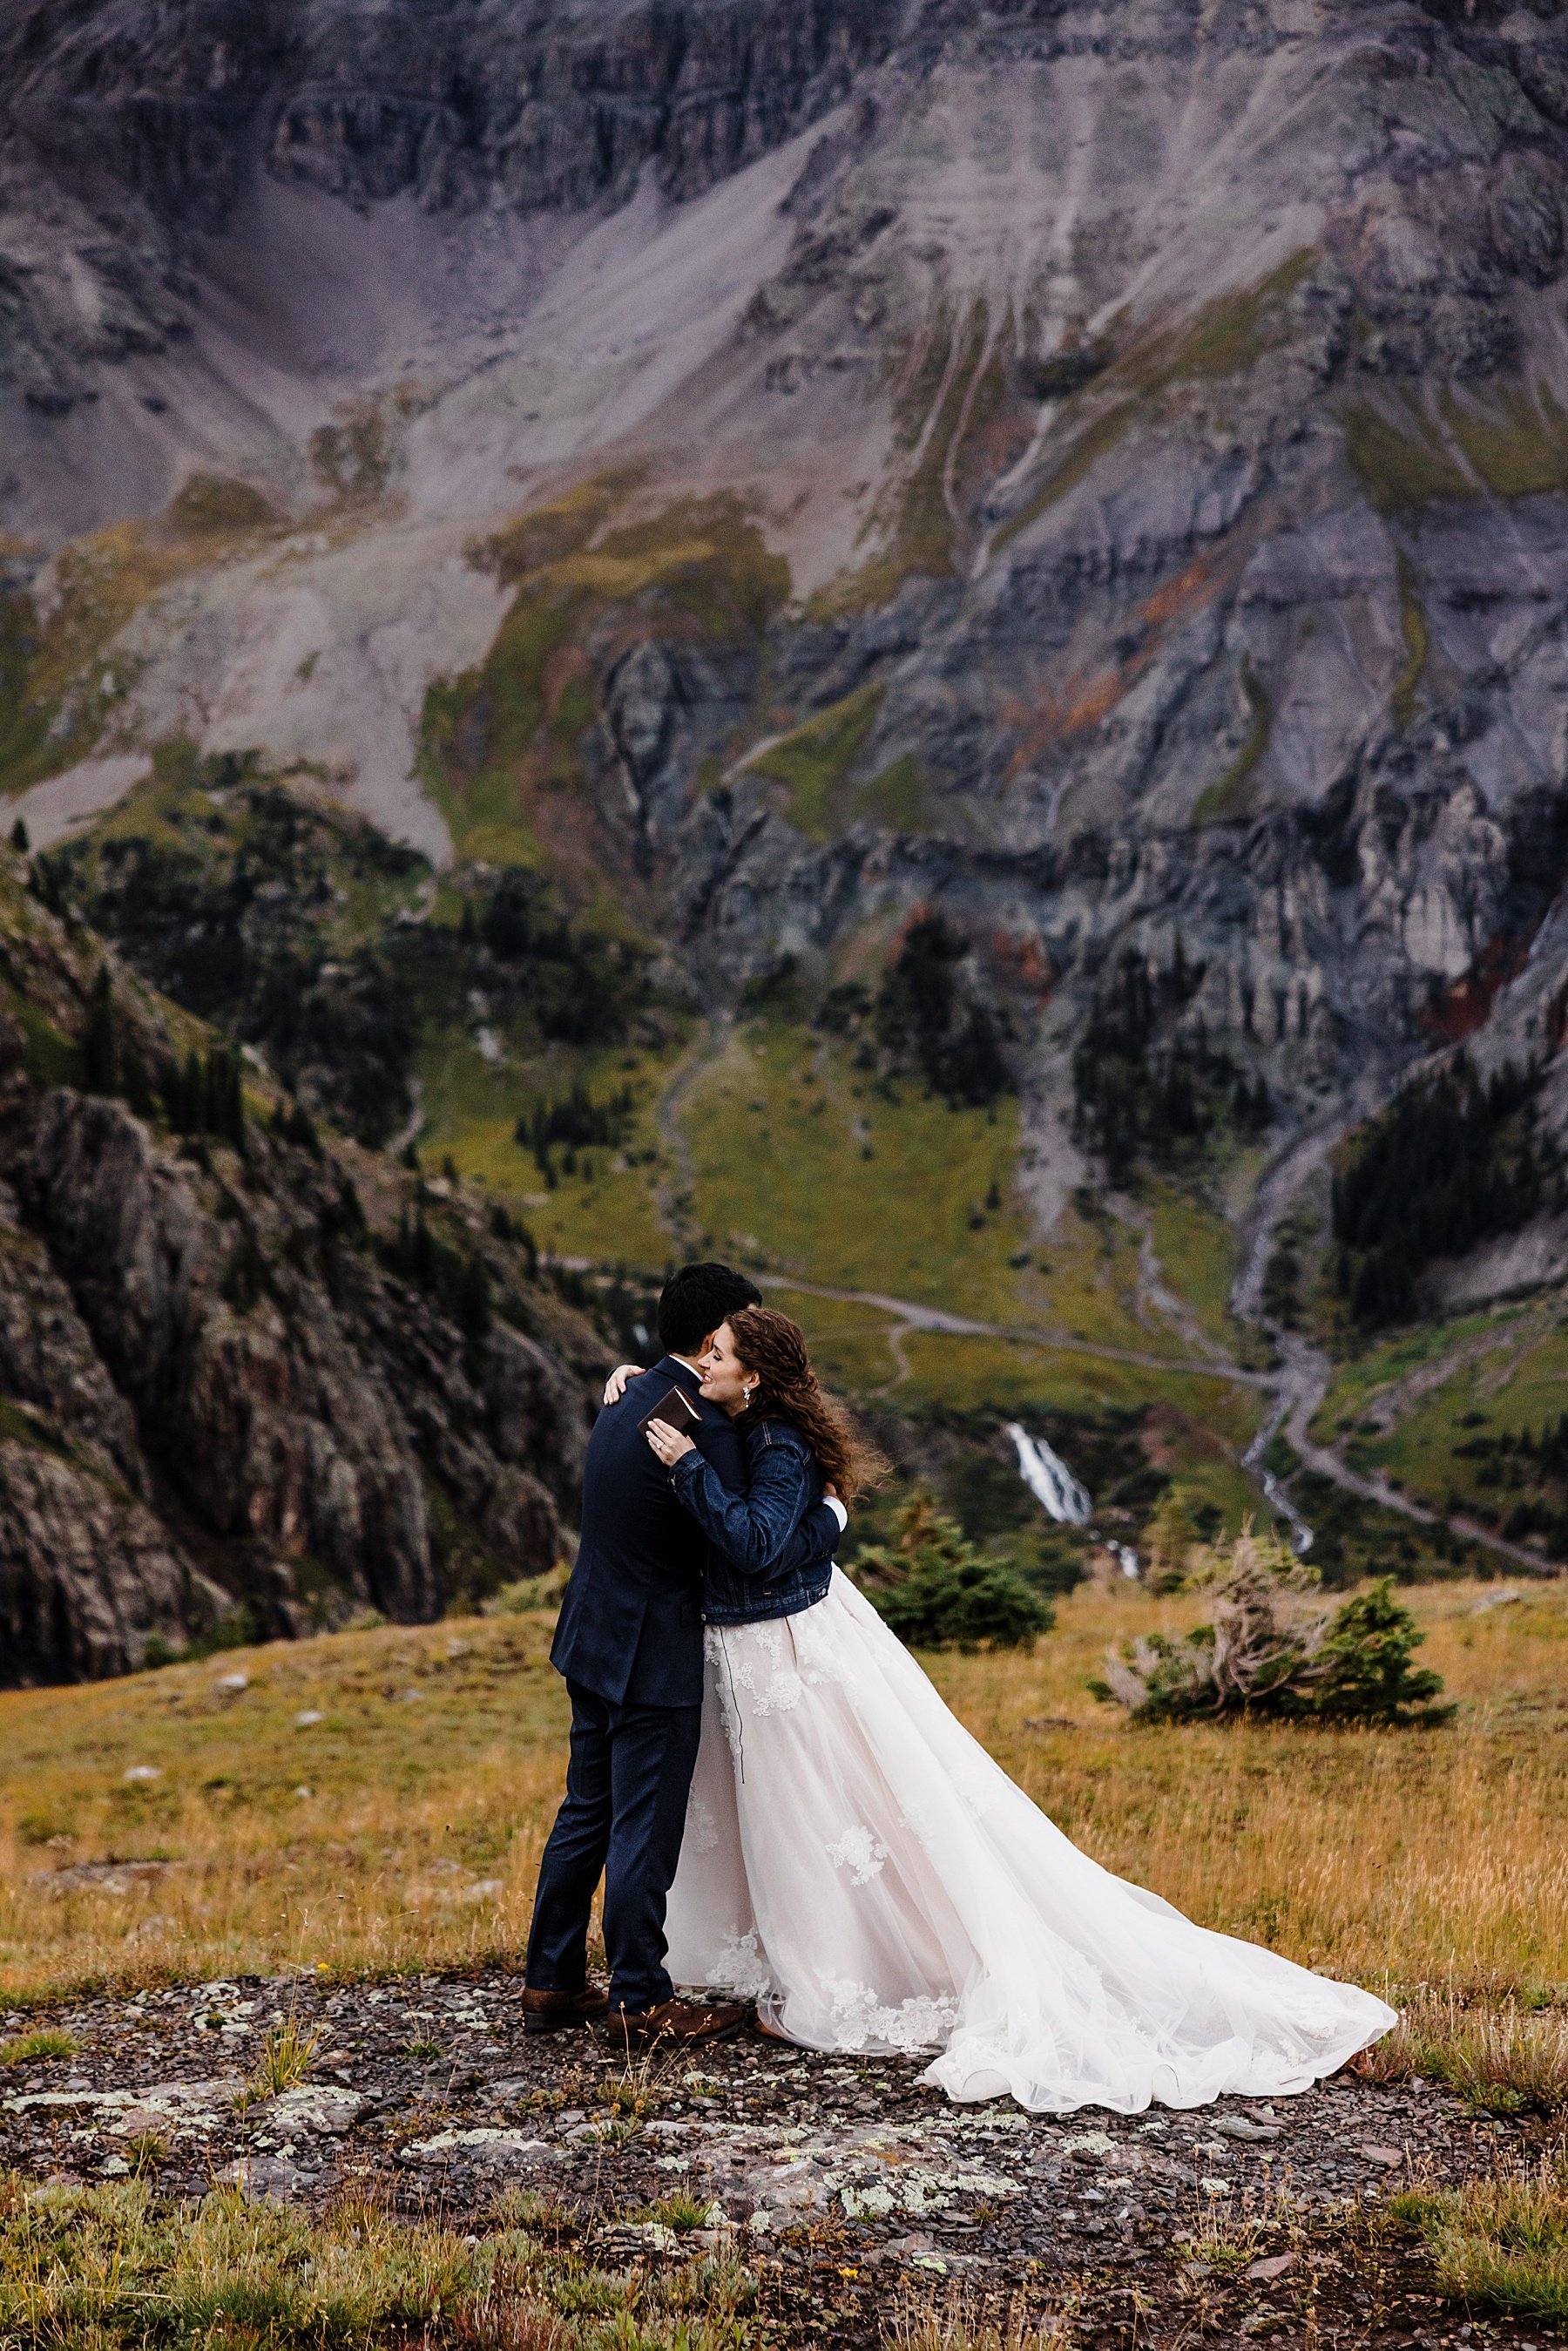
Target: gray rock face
[(667, 710), (451, 102), (450, 105), (214, 1391), (1161, 411), (284, 1436), (88, 1575)]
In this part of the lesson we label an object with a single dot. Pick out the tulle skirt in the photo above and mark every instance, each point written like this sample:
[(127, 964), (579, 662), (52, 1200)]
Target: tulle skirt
[(857, 1864)]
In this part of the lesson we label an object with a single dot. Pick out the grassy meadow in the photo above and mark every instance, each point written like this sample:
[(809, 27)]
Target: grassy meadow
[(1399, 1405), (782, 1151), (401, 1825)]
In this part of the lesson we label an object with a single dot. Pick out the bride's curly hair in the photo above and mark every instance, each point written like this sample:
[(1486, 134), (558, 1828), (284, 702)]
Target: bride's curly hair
[(770, 1344)]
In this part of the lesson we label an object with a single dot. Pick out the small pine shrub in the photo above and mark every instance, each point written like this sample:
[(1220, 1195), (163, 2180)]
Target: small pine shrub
[(1172, 1537), (99, 1061), (1363, 1669), (1273, 1651), (938, 1591), (246, 1280)]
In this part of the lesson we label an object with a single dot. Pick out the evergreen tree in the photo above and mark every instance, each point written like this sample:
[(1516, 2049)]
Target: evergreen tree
[(937, 1591), (1362, 1671), (474, 1297), (1269, 1651), (923, 1015), (299, 1128), (205, 1096), (348, 1215), (228, 1097), (1450, 1162), (100, 1073), (1171, 1535), (19, 840), (1144, 1087), (134, 1080)]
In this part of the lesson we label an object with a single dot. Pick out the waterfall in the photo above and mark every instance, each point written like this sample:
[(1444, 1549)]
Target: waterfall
[(1049, 1479), (1053, 1486)]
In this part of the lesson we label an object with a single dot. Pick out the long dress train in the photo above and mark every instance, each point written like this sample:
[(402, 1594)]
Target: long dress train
[(858, 1864)]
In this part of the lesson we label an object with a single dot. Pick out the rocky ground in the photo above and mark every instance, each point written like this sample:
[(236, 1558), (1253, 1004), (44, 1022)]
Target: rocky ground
[(843, 2181)]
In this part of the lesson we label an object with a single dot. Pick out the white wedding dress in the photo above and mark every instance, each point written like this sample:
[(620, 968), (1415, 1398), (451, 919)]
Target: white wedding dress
[(858, 1866)]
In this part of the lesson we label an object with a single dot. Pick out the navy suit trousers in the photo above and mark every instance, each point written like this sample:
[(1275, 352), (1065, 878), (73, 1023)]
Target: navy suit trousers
[(624, 1814)]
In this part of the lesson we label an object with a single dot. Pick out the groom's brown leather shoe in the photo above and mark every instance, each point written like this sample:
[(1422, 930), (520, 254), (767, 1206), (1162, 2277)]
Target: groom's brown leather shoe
[(685, 2021), (548, 2012)]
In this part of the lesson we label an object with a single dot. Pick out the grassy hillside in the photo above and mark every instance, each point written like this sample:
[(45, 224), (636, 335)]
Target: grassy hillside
[(505, 1026), (511, 1029), (402, 1826)]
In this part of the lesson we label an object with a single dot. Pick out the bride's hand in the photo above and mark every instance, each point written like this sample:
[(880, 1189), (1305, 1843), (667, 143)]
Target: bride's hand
[(668, 1443), (615, 1386)]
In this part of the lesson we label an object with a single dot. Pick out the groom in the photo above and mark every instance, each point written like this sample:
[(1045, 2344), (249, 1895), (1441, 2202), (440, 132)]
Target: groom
[(630, 1643)]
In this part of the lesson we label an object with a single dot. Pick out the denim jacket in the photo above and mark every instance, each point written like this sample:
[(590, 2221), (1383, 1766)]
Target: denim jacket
[(751, 1531)]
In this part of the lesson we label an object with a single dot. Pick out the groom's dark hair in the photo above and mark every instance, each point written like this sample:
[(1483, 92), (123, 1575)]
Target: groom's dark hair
[(696, 1300)]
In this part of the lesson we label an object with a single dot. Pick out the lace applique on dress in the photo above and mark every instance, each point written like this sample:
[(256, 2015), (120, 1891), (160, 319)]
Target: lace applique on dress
[(741, 1970), (702, 1834), (860, 1853), (756, 1665), (816, 1656), (860, 2018)]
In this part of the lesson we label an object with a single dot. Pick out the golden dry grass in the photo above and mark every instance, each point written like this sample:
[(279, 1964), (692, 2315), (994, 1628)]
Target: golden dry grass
[(414, 1805), (956, 2321), (1399, 1858)]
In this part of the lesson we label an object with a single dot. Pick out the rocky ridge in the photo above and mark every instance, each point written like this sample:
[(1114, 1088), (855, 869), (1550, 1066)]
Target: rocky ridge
[(453, 107), (839, 2182), (242, 1387)]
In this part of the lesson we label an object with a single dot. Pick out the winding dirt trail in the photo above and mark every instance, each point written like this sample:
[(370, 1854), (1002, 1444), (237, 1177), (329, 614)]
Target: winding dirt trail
[(911, 1315), (674, 1195), (1296, 1384), (1304, 1373)]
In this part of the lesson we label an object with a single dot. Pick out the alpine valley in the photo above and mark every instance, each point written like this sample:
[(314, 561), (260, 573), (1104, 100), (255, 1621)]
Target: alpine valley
[(925, 644)]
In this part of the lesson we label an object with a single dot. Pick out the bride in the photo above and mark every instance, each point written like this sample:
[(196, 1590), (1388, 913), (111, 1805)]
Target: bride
[(857, 1864)]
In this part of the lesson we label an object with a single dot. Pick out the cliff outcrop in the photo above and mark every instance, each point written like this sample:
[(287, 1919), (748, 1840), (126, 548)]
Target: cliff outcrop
[(125, 130), (245, 1374)]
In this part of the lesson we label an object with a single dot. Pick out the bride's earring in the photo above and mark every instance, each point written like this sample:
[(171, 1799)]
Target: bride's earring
[(746, 1397)]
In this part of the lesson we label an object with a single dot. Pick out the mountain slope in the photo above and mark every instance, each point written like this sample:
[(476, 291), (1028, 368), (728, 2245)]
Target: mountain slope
[(1159, 431), (247, 1379), (1097, 477)]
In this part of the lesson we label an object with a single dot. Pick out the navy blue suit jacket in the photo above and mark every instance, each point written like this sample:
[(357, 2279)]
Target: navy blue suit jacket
[(630, 1628)]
